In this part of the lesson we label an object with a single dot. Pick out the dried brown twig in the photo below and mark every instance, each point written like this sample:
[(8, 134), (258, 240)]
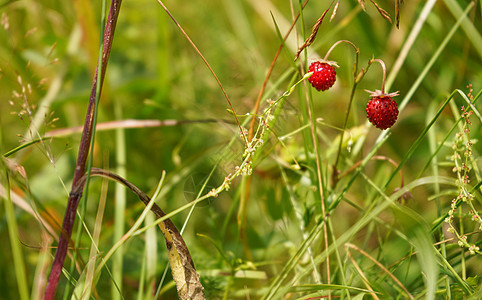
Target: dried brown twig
[(314, 32)]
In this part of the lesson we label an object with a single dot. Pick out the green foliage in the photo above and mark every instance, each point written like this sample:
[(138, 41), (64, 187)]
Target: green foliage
[(320, 203)]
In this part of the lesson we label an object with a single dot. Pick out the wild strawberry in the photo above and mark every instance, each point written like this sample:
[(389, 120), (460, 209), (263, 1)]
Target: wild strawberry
[(324, 75), (382, 110)]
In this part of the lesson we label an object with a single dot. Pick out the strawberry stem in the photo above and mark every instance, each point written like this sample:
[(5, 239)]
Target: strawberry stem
[(336, 44), (352, 96), (384, 69)]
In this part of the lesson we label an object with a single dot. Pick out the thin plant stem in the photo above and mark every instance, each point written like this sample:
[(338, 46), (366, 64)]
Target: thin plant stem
[(352, 96), (247, 185), (83, 204), (384, 70), (120, 205), (207, 64), (319, 177), (17, 253), (85, 142), (268, 75), (338, 43)]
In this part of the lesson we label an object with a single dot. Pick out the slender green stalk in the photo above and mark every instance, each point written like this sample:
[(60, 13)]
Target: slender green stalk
[(120, 207), (152, 260), (142, 279), (288, 267), (473, 35), (368, 217), (434, 58), (407, 46), (85, 289), (17, 253), (347, 114), (134, 229), (25, 145), (318, 168)]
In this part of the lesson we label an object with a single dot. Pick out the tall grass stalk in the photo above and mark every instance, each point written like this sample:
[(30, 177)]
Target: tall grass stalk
[(14, 239), (302, 198), (120, 208)]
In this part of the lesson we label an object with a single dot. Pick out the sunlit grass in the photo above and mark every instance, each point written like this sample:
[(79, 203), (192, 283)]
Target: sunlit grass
[(292, 229)]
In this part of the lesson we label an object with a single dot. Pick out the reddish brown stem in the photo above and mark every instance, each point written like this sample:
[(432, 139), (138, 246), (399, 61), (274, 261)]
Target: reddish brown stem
[(384, 69), (268, 75), (84, 147), (336, 44), (208, 66), (255, 113)]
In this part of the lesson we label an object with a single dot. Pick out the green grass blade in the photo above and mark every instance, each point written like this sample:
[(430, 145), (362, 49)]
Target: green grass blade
[(17, 253), (434, 58), (473, 35), (279, 280), (119, 208)]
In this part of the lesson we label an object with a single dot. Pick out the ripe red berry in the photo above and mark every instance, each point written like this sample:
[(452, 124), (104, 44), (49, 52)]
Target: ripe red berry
[(324, 75), (382, 110)]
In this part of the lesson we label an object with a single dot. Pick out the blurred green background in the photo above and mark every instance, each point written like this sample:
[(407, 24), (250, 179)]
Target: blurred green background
[(48, 54)]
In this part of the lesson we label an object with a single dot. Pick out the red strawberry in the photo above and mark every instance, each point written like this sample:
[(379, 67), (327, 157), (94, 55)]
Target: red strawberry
[(324, 75), (382, 110)]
